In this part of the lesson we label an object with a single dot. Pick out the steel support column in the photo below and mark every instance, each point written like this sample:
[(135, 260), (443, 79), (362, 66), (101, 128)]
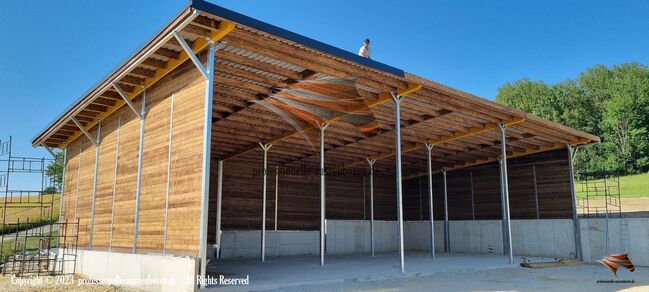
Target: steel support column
[(94, 187), (397, 139), (168, 179), (536, 193), (447, 235), (503, 211), (207, 151), (76, 198), (323, 227), (138, 187), (276, 192), (112, 208), (371, 163), (219, 195), (575, 216), (429, 147), (472, 197), (265, 148), (505, 188)]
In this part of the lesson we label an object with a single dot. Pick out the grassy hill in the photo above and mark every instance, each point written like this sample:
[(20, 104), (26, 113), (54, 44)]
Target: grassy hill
[(631, 186), (23, 211)]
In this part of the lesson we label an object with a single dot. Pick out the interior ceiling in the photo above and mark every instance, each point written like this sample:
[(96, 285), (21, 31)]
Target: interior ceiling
[(274, 91)]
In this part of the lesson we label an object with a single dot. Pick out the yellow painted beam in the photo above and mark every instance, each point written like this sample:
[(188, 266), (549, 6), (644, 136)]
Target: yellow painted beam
[(198, 45), (475, 131), (417, 146), (492, 159)]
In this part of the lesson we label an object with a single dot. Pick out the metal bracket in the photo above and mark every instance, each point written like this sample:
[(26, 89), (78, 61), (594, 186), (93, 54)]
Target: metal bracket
[(371, 161), (323, 126), (49, 150), (190, 53), (396, 97), (85, 132), (127, 100), (429, 146), (188, 50), (265, 147)]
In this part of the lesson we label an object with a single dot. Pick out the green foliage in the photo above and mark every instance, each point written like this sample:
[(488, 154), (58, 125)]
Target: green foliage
[(611, 103), (55, 172)]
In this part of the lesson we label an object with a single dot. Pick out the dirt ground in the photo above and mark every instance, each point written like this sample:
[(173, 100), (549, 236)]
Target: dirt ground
[(631, 207), (53, 284), (572, 278)]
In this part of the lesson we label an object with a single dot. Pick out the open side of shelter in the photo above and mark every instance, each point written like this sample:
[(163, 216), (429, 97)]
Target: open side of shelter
[(173, 150)]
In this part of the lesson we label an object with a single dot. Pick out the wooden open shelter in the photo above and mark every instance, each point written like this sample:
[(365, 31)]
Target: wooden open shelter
[(143, 147)]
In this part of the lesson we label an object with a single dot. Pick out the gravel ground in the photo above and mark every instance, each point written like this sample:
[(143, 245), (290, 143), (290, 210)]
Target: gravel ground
[(569, 278)]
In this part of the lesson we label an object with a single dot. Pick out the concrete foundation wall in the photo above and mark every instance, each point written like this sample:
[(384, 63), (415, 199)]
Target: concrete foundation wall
[(543, 238), (625, 235), (247, 243), (109, 266)]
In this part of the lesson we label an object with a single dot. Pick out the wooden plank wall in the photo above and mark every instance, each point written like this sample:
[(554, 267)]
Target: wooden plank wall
[(553, 184), (298, 198), (185, 187), (298, 207)]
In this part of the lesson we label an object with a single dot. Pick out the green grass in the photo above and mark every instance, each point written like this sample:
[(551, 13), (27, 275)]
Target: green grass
[(31, 212), (31, 246), (631, 186)]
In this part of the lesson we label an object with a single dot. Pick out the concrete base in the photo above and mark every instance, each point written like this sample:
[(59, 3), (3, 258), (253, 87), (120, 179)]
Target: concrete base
[(625, 235), (166, 273), (283, 272), (545, 238)]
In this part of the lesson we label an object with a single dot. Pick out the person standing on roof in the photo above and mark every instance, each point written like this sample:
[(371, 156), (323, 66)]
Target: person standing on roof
[(365, 50)]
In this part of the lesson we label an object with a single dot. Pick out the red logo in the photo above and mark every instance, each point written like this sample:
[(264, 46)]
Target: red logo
[(614, 262)]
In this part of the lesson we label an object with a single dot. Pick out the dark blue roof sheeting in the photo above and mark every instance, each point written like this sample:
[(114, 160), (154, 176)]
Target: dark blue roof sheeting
[(291, 36)]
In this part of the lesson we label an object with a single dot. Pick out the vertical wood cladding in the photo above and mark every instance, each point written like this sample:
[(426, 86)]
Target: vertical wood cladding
[(299, 196), (553, 184), (188, 88)]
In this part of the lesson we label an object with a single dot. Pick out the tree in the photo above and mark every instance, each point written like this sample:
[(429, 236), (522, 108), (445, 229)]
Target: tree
[(611, 103), (55, 172)]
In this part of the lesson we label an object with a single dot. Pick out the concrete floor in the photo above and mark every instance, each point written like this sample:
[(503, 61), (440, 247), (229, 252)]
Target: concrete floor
[(293, 271)]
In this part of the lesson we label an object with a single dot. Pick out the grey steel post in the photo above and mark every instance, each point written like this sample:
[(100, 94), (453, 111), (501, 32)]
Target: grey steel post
[(168, 179), (94, 187), (76, 199), (219, 195), (447, 233), (506, 192), (207, 151), (397, 139), (472, 196), (503, 211), (575, 216), (112, 212), (265, 148), (323, 227), (371, 163), (138, 187), (536, 193), (429, 147), (276, 192), (65, 163)]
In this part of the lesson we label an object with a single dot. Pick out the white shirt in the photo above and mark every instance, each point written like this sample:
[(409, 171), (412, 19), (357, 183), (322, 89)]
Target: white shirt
[(365, 52)]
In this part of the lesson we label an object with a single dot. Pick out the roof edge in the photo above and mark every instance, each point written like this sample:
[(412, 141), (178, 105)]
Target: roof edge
[(291, 36)]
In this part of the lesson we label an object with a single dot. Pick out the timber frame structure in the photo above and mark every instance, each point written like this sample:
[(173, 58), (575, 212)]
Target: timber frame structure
[(145, 147)]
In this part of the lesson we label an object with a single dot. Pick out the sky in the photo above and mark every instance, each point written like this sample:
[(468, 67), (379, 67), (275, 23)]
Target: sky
[(52, 52)]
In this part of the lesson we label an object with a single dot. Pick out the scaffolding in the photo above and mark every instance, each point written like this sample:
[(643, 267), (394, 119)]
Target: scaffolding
[(33, 241), (598, 194)]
